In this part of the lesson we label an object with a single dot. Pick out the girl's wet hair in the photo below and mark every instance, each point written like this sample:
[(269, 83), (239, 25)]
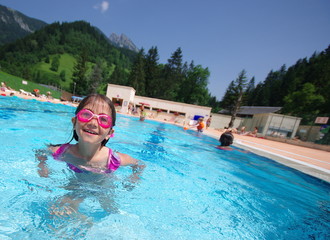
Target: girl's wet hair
[(94, 99), (226, 139)]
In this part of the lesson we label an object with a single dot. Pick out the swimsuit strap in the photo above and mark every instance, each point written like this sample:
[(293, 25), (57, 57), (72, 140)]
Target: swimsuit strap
[(60, 151), (113, 161)]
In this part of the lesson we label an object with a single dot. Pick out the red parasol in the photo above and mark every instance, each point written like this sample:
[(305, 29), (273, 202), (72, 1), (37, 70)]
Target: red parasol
[(146, 104)]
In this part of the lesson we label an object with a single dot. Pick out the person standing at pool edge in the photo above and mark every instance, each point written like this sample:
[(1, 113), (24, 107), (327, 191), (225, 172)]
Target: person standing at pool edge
[(92, 128), (200, 125), (208, 122)]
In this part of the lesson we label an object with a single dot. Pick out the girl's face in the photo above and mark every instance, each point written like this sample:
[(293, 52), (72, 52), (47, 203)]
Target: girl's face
[(91, 131)]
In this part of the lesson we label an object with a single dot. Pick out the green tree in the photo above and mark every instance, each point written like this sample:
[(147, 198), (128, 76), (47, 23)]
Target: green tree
[(137, 76), (119, 76), (249, 93), (62, 75), (96, 78), (79, 80), (304, 103), (173, 76), (234, 94), (228, 99), (152, 72), (194, 86), (55, 63)]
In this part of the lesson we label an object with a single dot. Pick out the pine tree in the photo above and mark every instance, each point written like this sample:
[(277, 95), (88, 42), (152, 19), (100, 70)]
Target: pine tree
[(248, 96), (152, 72), (80, 82), (237, 90), (173, 76), (137, 76), (96, 78), (55, 63)]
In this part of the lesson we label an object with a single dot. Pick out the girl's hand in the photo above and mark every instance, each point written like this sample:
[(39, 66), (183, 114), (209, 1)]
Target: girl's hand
[(41, 156)]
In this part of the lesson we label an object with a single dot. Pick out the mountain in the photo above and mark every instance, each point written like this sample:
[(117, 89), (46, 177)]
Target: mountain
[(123, 41), (15, 25)]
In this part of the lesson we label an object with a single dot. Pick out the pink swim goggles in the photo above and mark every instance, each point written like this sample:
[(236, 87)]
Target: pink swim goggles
[(86, 115)]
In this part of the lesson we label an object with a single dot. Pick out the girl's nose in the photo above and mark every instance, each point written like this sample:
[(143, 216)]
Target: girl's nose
[(94, 120)]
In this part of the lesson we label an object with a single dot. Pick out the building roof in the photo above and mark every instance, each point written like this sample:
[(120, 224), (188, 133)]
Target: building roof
[(247, 110), (252, 110)]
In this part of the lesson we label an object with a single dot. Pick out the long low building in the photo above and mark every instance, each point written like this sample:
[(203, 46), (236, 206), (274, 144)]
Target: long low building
[(124, 96)]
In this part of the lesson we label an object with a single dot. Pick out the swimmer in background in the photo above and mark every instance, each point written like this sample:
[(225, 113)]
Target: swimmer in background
[(143, 115), (93, 125), (226, 139)]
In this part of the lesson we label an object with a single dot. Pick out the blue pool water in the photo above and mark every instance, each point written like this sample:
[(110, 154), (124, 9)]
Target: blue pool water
[(189, 189)]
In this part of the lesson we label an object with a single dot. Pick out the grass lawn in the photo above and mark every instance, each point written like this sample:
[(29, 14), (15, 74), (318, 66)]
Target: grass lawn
[(17, 83)]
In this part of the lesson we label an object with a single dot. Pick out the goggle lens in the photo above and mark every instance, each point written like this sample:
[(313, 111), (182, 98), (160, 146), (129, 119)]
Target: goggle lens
[(86, 115)]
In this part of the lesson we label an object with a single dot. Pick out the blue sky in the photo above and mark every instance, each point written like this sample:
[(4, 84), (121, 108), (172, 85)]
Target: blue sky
[(225, 36)]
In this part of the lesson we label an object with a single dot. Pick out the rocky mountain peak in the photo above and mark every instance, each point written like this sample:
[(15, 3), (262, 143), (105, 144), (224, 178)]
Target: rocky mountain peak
[(14, 25), (123, 41)]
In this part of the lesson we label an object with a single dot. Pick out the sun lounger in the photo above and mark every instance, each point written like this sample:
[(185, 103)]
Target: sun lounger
[(25, 92)]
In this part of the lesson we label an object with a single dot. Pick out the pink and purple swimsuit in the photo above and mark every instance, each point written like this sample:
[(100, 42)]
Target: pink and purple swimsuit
[(112, 165)]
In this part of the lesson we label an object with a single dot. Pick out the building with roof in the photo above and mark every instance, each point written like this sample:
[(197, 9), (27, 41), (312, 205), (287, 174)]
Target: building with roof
[(266, 119), (123, 97)]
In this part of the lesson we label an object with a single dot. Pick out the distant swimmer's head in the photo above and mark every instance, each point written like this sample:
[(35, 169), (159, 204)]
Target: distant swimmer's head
[(226, 139)]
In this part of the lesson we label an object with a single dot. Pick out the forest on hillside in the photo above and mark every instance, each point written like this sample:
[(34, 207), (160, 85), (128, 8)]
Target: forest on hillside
[(80, 59), (97, 63), (24, 57), (301, 90)]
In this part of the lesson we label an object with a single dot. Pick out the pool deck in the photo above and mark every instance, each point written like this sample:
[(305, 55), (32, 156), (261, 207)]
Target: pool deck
[(311, 161)]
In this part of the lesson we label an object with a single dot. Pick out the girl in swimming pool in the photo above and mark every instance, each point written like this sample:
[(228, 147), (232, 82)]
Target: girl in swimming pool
[(92, 128), (93, 125)]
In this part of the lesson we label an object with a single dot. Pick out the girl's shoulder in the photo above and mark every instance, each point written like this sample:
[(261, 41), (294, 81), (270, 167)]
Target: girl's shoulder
[(58, 149), (54, 147)]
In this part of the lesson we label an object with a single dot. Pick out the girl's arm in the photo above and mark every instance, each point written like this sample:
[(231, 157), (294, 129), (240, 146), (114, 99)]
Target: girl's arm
[(137, 166), (42, 156), (127, 160)]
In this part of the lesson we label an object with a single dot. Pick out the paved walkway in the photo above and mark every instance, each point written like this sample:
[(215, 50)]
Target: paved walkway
[(310, 161)]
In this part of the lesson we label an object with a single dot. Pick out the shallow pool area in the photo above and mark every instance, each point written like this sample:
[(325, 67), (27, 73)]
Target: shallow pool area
[(189, 189)]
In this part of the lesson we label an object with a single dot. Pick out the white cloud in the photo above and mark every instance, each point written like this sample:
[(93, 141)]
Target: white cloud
[(104, 6)]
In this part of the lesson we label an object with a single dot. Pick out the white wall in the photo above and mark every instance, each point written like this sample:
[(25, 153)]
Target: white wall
[(188, 109), (272, 124), (221, 121), (128, 95), (121, 92)]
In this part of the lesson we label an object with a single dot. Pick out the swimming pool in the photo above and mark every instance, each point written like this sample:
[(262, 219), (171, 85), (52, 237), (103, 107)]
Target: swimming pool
[(189, 189)]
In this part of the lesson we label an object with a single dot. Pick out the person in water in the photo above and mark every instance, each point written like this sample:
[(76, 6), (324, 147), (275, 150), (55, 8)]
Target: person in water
[(93, 125), (226, 139)]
